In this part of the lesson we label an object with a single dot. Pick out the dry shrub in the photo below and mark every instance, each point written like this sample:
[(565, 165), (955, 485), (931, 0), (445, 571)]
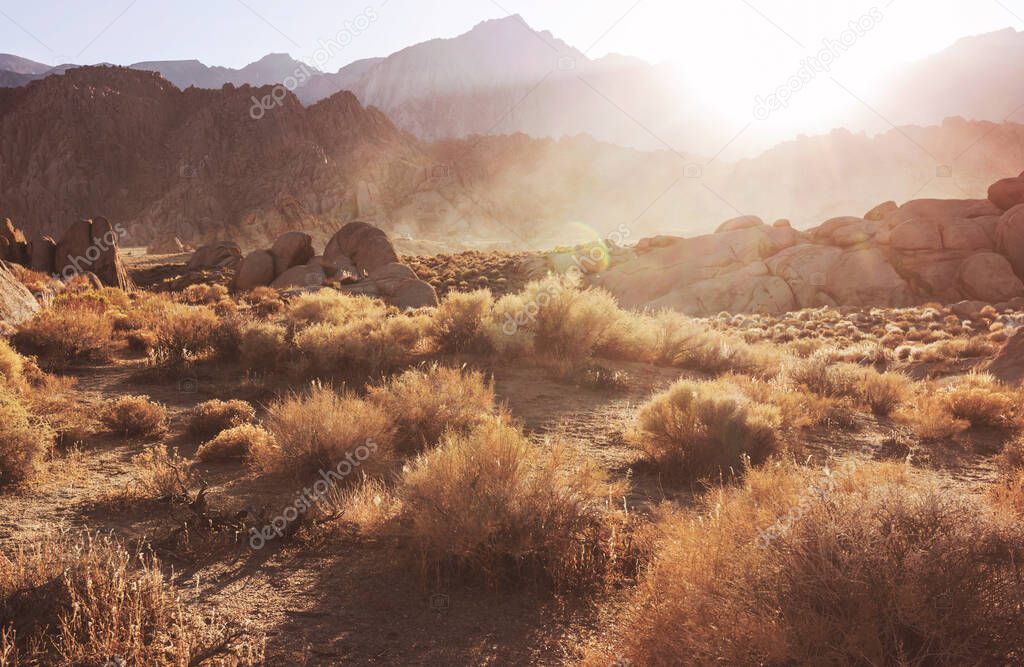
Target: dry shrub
[(235, 443), (11, 366), (67, 601), (874, 565), (493, 504), (68, 331), (24, 441), (686, 343), (982, 400), (263, 346), (134, 416), (460, 321), (422, 405), (186, 332), (162, 473), (319, 430), (370, 504), (1012, 456), (957, 348), (211, 417), (703, 428), (369, 344), (203, 294), (331, 307), (882, 393)]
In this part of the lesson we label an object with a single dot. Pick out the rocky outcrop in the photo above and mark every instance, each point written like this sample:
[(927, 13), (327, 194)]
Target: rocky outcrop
[(1007, 193), (219, 255), (959, 250), (359, 259), (13, 247), (16, 303), (91, 246), (43, 255)]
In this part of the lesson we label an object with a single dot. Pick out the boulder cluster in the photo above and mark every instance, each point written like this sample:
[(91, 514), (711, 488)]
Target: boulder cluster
[(949, 251), (358, 259), (88, 248)]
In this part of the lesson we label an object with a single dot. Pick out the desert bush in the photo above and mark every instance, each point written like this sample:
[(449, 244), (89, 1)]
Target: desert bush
[(491, 503), (11, 366), (702, 428), (368, 344), (24, 441), (982, 400), (322, 428), (263, 346), (1012, 456), (212, 417), (162, 473), (459, 323), (331, 307), (235, 443), (820, 374), (204, 294), (80, 601), (68, 331), (875, 565), (186, 332), (134, 416), (423, 404)]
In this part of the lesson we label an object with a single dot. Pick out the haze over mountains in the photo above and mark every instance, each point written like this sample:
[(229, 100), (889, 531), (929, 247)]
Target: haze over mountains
[(453, 138)]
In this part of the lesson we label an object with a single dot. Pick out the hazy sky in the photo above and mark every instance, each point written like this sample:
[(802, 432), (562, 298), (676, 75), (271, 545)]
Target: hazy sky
[(732, 50)]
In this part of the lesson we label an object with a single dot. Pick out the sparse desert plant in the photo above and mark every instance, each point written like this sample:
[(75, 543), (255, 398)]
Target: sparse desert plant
[(235, 443), (460, 321), (876, 565), (24, 441), (703, 428), (366, 343), (982, 400), (491, 503), (162, 473), (79, 601), (331, 307), (212, 417), (1012, 456), (11, 365), (204, 294), (263, 346), (318, 430), (186, 332), (134, 416), (67, 332), (423, 404)]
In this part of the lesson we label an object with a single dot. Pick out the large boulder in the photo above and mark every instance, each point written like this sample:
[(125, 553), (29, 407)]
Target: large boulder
[(91, 246), (16, 303), (751, 289), (931, 273), (882, 211), (1007, 193), (942, 209), (805, 269), (367, 246), (1008, 364), (1010, 237), (219, 255), (845, 232), (865, 277), (255, 270), (742, 222), (301, 277), (988, 276), (291, 249), (391, 276), (43, 255), (916, 234), (969, 233), (414, 294)]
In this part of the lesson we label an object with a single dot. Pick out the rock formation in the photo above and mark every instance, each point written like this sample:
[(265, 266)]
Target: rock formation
[(358, 259), (16, 303), (924, 250)]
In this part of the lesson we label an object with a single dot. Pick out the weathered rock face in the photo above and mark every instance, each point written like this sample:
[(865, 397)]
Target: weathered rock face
[(256, 270), (91, 246), (365, 245), (805, 268), (219, 255), (1007, 193), (291, 249), (742, 222), (988, 276), (1008, 364), (301, 277), (13, 247), (1010, 237), (881, 211), (43, 255), (16, 303)]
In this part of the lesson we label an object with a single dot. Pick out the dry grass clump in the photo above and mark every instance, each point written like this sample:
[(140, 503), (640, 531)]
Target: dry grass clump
[(204, 294), (493, 504), (332, 307), (321, 429), (186, 332), (976, 400), (460, 321), (24, 441), (423, 404), (369, 343), (89, 601), (263, 346), (235, 444), (11, 365), (882, 393), (68, 331), (211, 417), (874, 565), (162, 473), (704, 428), (1012, 456), (134, 416)]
